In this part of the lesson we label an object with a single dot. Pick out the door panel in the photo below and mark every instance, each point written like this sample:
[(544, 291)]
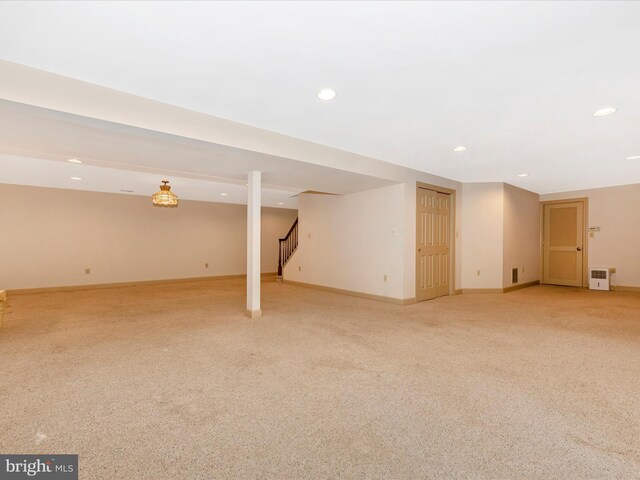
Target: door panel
[(563, 243), (563, 223), (433, 244), (564, 265)]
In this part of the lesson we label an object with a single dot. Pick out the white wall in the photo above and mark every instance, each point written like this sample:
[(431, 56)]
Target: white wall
[(49, 236), (346, 242), (482, 238), (74, 96), (521, 235), (501, 231), (616, 211)]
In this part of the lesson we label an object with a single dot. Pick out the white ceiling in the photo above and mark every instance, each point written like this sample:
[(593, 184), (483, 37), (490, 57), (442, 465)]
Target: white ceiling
[(515, 82), (37, 172), (35, 144)]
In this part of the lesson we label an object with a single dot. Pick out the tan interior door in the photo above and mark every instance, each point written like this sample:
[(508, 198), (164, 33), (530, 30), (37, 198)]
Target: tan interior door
[(433, 244), (563, 243)]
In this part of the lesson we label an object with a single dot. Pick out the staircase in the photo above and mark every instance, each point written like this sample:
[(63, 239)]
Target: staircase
[(287, 246)]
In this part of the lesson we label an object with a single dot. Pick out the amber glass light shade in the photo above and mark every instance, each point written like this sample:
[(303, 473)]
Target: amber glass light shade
[(165, 197)]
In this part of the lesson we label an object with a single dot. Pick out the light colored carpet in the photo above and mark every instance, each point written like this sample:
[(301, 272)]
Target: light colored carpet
[(158, 382)]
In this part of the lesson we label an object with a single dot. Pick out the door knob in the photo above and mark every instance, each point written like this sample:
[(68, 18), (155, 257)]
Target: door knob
[(579, 249)]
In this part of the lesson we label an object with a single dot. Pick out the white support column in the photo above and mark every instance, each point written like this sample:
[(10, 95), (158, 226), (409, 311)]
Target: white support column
[(253, 244)]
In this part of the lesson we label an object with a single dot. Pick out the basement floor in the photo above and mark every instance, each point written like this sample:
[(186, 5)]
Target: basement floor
[(174, 382)]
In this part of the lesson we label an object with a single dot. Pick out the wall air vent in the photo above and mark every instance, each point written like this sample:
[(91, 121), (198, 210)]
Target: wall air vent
[(599, 278)]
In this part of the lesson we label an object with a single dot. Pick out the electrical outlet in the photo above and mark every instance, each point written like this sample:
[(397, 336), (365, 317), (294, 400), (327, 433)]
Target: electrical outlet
[(87, 271), (613, 270), (206, 265)]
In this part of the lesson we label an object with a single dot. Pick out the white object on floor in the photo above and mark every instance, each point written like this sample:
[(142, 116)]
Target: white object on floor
[(599, 278)]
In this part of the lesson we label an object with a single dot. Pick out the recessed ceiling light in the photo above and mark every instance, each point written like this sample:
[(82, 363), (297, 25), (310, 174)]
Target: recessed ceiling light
[(224, 194), (327, 94), (604, 111), (459, 149), (74, 160), (280, 203), (75, 178), (634, 157), (523, 174)]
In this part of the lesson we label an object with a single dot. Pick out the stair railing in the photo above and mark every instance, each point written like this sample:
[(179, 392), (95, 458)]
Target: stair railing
[(287, 246)]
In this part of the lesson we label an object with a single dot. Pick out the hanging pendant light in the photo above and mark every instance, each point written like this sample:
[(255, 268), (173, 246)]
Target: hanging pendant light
[(165, 197)]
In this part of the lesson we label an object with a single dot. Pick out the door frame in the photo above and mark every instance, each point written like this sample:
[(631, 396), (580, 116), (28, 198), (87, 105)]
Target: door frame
[(585, 237), (452, 229)]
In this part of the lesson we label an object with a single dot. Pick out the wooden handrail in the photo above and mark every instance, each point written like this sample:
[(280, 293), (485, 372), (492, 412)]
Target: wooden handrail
[(287, 246), (295, 224)]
